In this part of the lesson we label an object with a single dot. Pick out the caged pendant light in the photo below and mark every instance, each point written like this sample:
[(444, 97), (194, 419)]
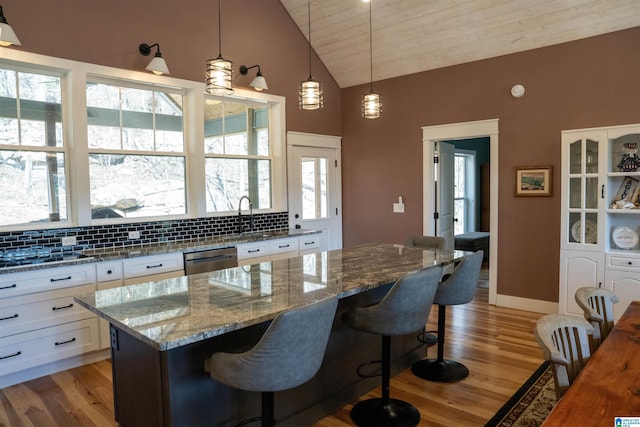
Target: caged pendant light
[(219, 72), (371, 102), (310, 92)]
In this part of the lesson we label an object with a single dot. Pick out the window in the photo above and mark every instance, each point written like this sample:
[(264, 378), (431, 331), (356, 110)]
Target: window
[(238, 155), (33, 152), (137, 161), (464, 192)]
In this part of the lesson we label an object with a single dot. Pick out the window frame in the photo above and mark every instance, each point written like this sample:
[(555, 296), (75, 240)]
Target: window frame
[(74, 76)]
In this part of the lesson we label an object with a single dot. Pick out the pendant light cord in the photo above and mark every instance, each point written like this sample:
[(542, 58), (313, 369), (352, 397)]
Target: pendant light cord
[(219, 30), (309, 18), (370, 48)]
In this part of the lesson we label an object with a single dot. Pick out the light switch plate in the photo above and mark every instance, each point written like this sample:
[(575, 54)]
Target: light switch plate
[(134, 235), (398, 208), (69, 241)]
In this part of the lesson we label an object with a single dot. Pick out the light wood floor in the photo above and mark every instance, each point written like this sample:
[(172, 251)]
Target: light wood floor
[(496, 344)]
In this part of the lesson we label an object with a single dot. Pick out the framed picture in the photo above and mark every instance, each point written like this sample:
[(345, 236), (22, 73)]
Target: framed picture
[(532, 181)]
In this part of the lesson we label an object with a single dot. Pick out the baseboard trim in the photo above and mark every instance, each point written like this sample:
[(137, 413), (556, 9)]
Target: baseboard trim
[(526, 304)]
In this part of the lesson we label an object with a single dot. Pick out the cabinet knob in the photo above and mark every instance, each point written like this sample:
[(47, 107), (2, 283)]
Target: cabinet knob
[(630, 262)]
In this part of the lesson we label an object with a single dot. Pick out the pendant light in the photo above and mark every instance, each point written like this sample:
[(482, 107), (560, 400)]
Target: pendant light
[(219, 72), (371, 102), (310, 93)]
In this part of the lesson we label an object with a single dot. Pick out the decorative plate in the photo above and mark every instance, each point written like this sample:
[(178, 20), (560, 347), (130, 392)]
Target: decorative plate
[(590, 231), (624, 237)]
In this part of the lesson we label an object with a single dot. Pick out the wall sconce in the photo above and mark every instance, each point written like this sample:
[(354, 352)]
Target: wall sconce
[(157, 65), (7, 35), (259, 83)]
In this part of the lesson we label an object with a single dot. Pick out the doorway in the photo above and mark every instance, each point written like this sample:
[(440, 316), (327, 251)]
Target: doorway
[(431, 185), (314, 186)]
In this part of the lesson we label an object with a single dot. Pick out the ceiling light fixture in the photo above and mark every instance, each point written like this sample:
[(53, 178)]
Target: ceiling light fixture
[(7, 35), (157, 65), (371, 102), (310, 92), (219, 72), (259, 83)]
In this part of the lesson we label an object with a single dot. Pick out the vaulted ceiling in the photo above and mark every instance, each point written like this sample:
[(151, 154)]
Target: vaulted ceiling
[(411, 36)]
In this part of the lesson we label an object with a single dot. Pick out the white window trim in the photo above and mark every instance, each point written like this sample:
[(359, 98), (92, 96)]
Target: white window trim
[(75, 76)]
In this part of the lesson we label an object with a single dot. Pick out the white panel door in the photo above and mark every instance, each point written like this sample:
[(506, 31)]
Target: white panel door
[(315, 191), (445, 191)]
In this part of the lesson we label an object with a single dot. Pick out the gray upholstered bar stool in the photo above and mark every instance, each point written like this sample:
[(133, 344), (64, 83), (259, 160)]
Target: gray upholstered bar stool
[(458, 288), (403, 310), (289, 354)]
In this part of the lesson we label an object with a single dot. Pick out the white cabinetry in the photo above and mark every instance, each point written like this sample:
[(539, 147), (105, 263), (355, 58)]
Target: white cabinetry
[(592, 183), (40, 324), (269, 250)]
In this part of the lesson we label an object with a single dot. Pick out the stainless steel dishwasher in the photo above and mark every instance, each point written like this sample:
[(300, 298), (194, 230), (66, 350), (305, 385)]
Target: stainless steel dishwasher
[(210, 260)]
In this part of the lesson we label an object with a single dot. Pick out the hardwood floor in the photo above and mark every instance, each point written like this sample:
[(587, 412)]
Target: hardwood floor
[(496, 344)]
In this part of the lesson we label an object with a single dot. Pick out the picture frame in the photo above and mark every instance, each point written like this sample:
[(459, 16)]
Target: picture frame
[(533, 181)]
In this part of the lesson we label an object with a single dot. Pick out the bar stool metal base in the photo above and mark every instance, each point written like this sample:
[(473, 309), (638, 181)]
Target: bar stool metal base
[(381, 412), (442, 371)]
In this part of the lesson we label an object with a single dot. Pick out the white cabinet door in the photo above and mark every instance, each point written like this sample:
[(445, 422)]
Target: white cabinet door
[(152, 265), (578, 269), (626, 285)]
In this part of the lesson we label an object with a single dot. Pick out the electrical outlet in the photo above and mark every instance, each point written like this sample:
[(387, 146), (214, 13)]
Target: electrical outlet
[(134, 235), (69, 241)]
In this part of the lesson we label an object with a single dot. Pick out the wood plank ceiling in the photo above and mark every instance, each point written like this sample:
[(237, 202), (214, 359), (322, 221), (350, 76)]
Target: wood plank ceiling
[(411, 36)]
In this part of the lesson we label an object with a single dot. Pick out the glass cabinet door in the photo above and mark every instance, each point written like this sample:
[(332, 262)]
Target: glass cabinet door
[(583, 191)]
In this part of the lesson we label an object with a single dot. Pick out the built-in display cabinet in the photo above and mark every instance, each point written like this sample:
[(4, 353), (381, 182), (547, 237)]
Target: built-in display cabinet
[(600, 221)]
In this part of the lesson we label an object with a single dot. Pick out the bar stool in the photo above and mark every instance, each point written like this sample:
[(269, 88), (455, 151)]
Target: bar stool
[(403, 310), (287, 355), (458, 288)]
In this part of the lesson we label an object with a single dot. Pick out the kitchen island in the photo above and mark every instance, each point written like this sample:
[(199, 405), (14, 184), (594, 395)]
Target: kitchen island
[(161, 333)]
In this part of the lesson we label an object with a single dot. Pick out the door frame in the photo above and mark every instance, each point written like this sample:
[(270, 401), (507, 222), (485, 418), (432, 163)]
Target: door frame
[(481, 128), (310, 140)]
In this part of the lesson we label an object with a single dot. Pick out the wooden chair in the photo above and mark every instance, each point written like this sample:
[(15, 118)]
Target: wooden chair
[(597, 304), (564, 341)]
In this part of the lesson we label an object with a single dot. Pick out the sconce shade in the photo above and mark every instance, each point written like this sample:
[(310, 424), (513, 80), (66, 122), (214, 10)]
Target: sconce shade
[(259, 83), (7, 35), (371, 106), (310, 95), (157, 65), (218, 76)]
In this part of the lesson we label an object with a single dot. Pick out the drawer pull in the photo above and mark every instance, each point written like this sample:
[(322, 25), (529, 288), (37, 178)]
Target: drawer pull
[(61, 279), (62, 308), (154, 266), (251, 251), (11, 355), (283, 246), (10, 317), (310, 243), (10, 286), (65, 342)]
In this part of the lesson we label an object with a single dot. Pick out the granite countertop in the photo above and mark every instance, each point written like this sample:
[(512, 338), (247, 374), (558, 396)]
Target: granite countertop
[(110, 254), (174, 312)]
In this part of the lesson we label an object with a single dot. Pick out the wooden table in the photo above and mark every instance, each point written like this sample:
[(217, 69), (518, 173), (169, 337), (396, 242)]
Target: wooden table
[(609, 384)]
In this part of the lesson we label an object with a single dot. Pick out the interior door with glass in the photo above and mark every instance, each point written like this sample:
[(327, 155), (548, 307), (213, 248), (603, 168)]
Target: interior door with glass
[(445, 191), (314, 193)]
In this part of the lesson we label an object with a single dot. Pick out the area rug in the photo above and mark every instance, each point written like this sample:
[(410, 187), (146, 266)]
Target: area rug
[(531, 404)]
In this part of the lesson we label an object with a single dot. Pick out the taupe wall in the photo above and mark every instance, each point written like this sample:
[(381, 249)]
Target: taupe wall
[(108, 32), (592, 82), (588, 83)]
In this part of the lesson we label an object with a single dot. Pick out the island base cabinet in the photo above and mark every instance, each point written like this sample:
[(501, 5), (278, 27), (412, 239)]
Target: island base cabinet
[(171, 388)]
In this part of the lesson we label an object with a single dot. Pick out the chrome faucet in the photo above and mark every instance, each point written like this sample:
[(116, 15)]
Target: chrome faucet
[(240, 227)]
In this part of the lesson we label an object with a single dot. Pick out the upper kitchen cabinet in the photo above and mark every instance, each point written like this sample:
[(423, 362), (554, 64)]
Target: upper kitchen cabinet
[(600, 220)]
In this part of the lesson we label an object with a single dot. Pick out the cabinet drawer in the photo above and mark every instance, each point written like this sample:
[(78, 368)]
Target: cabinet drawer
[(22, 351), (27, 282), (309, 242), (108, 271), (34, 311), (253, 250), (280, 246), (622, 262), (154, 264)]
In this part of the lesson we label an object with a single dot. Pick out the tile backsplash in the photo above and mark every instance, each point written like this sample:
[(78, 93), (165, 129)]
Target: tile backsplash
[(49, 242)]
